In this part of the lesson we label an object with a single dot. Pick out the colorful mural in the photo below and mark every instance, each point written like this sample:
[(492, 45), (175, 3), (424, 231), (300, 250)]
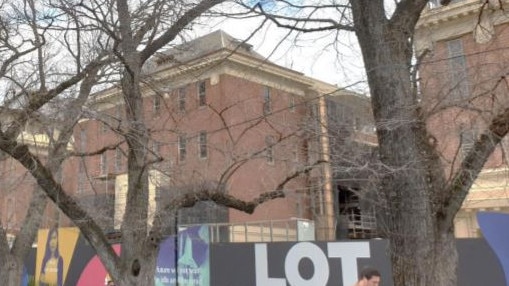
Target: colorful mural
[(65, 258)]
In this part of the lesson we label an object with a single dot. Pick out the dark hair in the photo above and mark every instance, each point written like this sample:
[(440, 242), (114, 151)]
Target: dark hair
[(48, 254), (369, 272)]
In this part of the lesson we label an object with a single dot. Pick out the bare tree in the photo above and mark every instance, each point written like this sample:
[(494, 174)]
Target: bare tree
[(94, 37), (28, 80), (420, 197)]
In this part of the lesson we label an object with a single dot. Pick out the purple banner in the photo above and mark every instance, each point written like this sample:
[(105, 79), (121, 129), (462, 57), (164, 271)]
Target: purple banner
[(191, 257)]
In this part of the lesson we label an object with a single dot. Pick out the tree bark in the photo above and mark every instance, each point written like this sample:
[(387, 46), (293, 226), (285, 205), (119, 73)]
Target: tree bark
[(11, 270), (422, 252)]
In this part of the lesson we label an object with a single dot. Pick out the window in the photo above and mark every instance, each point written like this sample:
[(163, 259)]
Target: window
[(156, 104), (81, 178), (11, 212), (317, 197), (104, 127), (83, 140), (458, 75), (436, 3), (202, 142), (267, 108), (292, 103), (156, 148), (118, 111), (357, 124), (119, 157), (468, 138), (103, 164), (182, 99), (202, 99), (295, 152), (182, 141), (332, 109), (269, 141)]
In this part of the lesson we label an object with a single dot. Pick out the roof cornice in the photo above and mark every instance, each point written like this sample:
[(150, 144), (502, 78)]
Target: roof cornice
[(224, 57), (454, 11)]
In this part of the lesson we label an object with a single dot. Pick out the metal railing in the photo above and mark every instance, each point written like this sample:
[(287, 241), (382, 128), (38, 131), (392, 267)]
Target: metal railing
[(294, 229)]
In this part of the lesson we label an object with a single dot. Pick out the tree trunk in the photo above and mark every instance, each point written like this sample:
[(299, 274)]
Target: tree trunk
[(421, 243), (139, 271), (139, 254), (11, 270)]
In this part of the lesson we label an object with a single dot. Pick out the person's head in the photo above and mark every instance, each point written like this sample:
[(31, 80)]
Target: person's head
[(52, 243), (53, 240), (370, 277)]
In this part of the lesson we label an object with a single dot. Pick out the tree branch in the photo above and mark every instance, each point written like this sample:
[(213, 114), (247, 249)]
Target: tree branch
[(407, 13), (65, 202), (223, 199), (37, 100), (96, 152), (333, 25), (177, 27), (472, 165)]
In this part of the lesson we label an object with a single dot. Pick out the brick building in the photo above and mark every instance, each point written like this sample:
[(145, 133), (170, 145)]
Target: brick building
[(465, 52), (221, 114)]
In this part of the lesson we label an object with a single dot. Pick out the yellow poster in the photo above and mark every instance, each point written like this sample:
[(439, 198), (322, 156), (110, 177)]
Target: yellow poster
[(55, 248)]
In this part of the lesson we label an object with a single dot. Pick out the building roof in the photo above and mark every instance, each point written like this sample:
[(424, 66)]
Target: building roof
[(204, 53), (203, 46)]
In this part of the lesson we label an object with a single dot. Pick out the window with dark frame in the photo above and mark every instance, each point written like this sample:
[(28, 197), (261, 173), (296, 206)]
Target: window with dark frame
[(182, 99), (295, 152), (357, 124), (332, 110), (203, 144), (103, 164), (104, 127), (83, 140), (292, 103), (317, 197), (119, 157), (156, 148), (269, 149), (202, 94), (82, 178), (11, 212), (118, 111), (182, 151), (156, 104), (267, 106), (467, 138), (458, 72)]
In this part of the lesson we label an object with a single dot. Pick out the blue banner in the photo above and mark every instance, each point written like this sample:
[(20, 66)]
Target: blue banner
[(495, 228)]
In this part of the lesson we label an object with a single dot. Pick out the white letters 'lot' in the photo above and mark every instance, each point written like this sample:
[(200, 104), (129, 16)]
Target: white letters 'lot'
[(348, 252)]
